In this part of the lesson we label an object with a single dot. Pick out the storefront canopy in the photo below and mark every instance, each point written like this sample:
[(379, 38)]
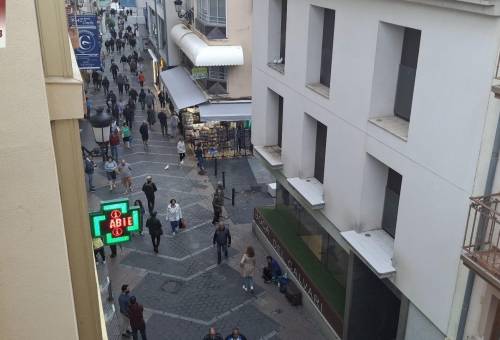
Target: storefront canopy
[(202, 54), (181, 89), (227, 112)]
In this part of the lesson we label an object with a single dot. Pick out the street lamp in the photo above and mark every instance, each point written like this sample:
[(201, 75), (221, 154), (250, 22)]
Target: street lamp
[(101, 126), (181, 13)]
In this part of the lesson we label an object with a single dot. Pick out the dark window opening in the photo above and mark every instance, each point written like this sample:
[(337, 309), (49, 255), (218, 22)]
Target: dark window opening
[(319, 158), (407, 73), (283, 29), (391, 202), (280, 120), (327, 46)]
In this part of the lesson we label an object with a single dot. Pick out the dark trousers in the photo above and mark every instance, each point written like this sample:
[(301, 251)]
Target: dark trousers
[(100, 251), (181, 156), (142, 331), (151, 204), (219, 255), (113, 250), (155, 239), (217, 213), (163, 129), (162, 104)]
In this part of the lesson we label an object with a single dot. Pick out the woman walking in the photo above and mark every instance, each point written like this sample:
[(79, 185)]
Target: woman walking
[(126, 176), (144, 134), (181, 149), (174, 215), (111, 167), (126, 135), (247, 265), (154, 226)]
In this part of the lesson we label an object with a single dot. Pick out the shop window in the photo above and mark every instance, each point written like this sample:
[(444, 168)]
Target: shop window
[(211, 18)]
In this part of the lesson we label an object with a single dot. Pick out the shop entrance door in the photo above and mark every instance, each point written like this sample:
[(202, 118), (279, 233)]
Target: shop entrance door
[(495, 330), (372, 308)]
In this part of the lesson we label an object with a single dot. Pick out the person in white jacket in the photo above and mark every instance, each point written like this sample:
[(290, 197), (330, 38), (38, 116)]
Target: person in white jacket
[(174, 215), (181, 150)]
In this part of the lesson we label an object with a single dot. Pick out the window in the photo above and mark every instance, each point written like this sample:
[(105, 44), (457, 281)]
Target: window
[(277, 34), (407, 72), (280, 120), (319, 158), (320, 49), (211, 18), (216, 82), (391, 202)]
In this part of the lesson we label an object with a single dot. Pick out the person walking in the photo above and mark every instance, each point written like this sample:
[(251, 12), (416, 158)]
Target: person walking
[(123, 61), (162, 99), (151, 118), (89, 170), (105, 85), (138, 203), (120, 82), (126, 84), (126, 176), (123, 301), (126, 134), (162, 117), (111, 99), (247, 265), (218, 203), (133, 95), (222, 238), (141, 78), (198, 152), (150, 100), (236, 335), (135, 313), (90, 104), (144, 134), (114, 141), (98, 246), (114, 70), (149, 189), (213, 335), (110, 167), (181, 150), (142, 99), (174, 122), (174, 215), (154, 226)]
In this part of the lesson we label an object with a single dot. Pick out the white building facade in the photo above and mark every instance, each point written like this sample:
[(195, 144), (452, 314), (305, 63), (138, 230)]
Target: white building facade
[(377, 119)]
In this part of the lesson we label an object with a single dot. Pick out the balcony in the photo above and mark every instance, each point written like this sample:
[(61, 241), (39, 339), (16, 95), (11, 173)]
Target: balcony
[(310, 189), (481, 252), (270, 154)]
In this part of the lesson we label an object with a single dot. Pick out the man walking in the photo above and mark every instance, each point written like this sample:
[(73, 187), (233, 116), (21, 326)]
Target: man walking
[(218, 203), (150, 100), (149, 189), (222, 238), (213, 335), (124, 301), (162, 117), (136, 317), (114, 70), (144, 135), (89, 170), (154, 226)]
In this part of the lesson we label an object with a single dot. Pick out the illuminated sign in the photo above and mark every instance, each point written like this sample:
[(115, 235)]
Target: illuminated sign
[(115, 222)]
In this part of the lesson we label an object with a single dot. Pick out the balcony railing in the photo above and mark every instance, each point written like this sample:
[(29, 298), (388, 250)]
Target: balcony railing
[(481, 251)]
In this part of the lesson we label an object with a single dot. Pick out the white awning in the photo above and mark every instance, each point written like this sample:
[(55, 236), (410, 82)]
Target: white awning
[(202, 54), (181, 89), (226, 112), (375, 248)]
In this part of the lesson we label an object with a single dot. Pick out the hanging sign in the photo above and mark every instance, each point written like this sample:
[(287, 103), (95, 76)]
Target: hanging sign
[(88, 55), (199, 73), (2, 23), (115, 221)]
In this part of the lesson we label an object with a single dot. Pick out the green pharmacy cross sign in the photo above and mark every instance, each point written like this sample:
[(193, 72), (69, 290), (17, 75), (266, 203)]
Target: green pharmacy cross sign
[(115, 222)]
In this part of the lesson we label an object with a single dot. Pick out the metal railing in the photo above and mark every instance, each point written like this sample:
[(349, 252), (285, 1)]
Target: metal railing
[(481, 251)]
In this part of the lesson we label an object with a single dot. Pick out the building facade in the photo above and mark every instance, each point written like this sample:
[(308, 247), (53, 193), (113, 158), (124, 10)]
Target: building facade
[(377, 119), (48, 280)]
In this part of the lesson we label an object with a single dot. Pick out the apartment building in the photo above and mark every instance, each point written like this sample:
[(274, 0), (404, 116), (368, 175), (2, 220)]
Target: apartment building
[(48, 277), (377, 119)]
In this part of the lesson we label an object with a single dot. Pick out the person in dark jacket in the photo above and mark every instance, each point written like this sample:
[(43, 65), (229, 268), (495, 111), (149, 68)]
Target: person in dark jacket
[(114, 70), (162, 99), (136, 317), (213, 335), (133, 94), (144, 134), (154, 226), (218, 203), (162, 117), (142, 99), (236, 335), (111, 99), (89, 170), (222, 238), (149, 189), (124, 301), (272, 271), (105, 85)]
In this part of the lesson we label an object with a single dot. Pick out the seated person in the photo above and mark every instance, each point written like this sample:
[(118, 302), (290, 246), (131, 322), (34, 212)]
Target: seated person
[(272, 271)]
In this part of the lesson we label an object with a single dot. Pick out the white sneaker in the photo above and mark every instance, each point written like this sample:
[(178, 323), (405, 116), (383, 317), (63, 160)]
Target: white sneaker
[(245, 288), (182, 162), (166, 167), (173, 233)]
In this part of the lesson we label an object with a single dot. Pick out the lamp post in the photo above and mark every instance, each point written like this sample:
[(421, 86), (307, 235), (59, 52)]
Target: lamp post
[(181, 13), (101, 124)]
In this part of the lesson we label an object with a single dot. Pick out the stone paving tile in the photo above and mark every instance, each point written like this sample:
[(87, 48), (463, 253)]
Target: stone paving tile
[(208, 295), (245, 318)]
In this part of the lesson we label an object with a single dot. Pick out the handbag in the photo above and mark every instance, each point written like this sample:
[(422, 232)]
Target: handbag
[(183, 223)]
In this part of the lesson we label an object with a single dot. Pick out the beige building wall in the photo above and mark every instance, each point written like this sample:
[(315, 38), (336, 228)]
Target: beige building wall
[(47, 274)]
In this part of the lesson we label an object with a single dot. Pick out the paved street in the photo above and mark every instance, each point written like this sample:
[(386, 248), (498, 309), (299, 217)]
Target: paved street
[(182, 288)]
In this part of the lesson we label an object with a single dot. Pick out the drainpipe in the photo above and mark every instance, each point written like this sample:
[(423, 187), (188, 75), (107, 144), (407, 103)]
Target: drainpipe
[(487, 191)]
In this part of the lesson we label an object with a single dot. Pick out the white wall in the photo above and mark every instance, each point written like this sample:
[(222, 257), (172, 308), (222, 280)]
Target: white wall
[(438, 162)]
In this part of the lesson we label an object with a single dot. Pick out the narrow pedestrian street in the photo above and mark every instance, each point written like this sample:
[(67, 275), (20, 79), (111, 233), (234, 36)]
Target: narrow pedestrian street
[(182, 288)]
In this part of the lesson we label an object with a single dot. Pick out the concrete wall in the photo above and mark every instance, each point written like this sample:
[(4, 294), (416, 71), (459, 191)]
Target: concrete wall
[(439, 162), (36, 296)]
